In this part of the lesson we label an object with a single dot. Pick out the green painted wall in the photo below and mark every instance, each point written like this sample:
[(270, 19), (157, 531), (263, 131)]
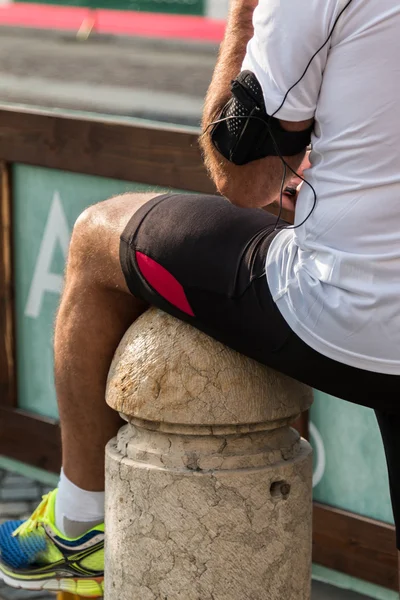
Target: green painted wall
[(349, 462), (349, 473), (184, 7), (46, 204)]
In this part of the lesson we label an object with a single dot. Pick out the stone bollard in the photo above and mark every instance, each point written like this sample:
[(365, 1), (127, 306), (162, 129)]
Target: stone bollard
[(208, 489)]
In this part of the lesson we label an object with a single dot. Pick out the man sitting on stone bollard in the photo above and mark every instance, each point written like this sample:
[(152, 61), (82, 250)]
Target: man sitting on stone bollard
[(318, 301)]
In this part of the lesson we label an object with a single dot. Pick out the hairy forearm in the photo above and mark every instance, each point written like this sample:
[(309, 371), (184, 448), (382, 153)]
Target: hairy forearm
[(239, 31), (257, 183)]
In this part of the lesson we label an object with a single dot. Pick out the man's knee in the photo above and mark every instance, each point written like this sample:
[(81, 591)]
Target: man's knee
[(94, 246), (87, 236)]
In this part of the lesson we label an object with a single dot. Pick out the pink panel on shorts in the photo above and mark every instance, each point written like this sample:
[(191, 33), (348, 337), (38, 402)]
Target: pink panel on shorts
[(163, 282)]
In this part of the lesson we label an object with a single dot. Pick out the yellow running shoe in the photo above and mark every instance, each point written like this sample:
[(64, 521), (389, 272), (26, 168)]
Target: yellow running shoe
[(35, 555)]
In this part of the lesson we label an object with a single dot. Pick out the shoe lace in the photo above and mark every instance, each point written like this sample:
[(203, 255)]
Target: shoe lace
[(34, 520)]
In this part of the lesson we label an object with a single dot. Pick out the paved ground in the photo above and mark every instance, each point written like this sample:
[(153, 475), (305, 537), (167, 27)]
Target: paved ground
[(122, 76)]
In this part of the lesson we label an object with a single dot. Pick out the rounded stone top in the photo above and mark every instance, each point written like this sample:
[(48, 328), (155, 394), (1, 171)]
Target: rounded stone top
[(166, 371)]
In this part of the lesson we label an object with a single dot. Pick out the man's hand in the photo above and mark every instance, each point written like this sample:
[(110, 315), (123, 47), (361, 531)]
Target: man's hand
[(291, 193)]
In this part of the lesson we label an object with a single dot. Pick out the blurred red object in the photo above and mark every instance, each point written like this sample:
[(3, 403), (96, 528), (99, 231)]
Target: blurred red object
[(117, 22)]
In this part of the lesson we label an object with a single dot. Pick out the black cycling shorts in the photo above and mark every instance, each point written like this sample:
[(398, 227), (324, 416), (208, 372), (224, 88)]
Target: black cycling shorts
[(202, 260)]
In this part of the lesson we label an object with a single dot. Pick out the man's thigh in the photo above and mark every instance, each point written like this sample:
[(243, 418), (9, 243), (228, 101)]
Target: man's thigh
[(203, 260)]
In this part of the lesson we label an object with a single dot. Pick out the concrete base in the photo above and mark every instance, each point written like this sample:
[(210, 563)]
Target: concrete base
[(181, 532)]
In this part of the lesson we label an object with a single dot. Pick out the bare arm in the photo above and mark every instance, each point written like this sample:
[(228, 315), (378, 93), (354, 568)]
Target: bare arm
[(258, 183)]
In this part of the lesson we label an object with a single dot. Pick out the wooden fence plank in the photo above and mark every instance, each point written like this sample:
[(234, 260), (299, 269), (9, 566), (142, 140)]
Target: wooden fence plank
[(355, 545), (30, 438), (7, 349), (160, 156)]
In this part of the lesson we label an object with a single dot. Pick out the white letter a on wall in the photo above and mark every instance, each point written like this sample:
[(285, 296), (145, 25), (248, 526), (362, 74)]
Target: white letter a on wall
[(56, 232)]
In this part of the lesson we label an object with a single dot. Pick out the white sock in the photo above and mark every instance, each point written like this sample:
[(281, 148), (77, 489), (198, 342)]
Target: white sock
[(77, 510)]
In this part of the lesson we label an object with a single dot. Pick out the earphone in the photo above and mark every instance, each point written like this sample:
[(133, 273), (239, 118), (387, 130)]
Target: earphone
[(286, 166)]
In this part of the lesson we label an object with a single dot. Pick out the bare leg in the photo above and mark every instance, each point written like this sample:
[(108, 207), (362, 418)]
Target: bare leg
[(96, 310)]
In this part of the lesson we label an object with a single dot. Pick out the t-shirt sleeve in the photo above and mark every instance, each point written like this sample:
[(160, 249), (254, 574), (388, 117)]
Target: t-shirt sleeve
[(287, 34)]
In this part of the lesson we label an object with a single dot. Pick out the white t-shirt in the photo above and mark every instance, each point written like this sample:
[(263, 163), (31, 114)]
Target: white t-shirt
[(336, 279)]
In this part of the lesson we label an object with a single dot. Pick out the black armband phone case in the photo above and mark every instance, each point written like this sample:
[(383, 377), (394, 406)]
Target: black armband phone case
[(244, 132)]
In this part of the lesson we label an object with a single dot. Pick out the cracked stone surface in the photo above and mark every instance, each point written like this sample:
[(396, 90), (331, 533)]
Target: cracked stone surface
[(182, 534), (183, 376), (208, 490)]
